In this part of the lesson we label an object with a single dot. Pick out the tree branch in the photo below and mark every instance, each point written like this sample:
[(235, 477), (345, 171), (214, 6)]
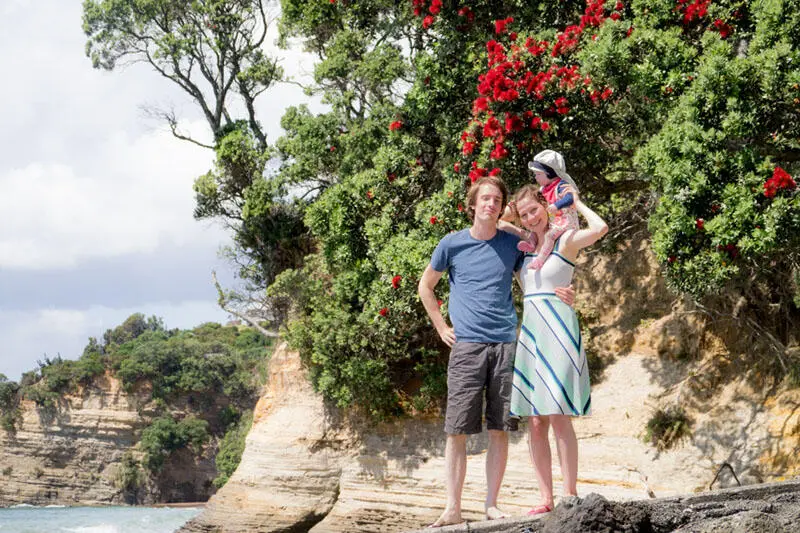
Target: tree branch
[(222, 301)]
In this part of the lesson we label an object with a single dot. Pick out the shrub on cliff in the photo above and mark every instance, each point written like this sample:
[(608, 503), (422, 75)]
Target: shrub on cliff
[(231, 448), (165, 435), (9, 404)]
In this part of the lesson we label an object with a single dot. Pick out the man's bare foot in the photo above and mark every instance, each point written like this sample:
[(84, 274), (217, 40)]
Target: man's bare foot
[(448, 518), (493, 513)]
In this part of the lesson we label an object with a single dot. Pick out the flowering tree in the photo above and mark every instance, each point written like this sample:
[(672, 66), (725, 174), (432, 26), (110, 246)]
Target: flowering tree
[(691, 104), (686, 108)]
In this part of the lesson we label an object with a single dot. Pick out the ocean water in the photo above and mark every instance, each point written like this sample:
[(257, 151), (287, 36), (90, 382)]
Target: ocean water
[(58, 519)]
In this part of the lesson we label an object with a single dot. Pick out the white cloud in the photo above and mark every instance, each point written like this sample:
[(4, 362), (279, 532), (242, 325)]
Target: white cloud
[(135, 195), (29, 336), (85, 181)]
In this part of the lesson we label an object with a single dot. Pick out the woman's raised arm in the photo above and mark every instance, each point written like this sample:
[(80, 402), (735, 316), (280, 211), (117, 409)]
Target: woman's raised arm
[(595, 229)]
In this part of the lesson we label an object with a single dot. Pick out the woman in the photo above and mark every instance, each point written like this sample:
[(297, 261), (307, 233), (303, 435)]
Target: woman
[(551, 376)]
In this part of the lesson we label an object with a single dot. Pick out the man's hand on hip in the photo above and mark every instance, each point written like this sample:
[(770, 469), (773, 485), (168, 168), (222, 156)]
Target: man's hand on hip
[(566, 294), (448, 335)]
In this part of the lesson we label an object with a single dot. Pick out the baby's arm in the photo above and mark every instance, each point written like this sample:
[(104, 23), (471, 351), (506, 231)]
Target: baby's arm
[(565, 200)]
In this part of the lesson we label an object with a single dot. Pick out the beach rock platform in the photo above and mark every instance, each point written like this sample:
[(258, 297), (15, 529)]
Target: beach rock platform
[(765, 508)]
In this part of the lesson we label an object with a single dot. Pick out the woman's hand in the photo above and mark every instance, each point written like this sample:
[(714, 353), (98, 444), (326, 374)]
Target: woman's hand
[(569, 189)]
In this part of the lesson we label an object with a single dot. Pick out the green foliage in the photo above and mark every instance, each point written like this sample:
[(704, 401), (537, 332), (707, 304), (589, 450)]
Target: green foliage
[(667, 427), (231, 448), (133, 326), (130, 476), (10, 413), (166, 435), (693, 112), (207, 361)]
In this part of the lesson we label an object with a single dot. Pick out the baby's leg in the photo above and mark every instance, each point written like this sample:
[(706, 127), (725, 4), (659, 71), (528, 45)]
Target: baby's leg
[(527, 245), (547, 247)]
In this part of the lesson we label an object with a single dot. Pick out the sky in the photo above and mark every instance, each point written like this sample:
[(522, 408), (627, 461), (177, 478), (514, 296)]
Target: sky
[(96, 198)]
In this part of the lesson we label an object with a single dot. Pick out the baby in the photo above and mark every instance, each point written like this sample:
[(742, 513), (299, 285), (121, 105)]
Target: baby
[(551, 174)]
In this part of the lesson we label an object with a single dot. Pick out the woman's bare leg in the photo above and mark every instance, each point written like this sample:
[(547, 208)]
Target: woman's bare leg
[(567, 444), (539, 447)]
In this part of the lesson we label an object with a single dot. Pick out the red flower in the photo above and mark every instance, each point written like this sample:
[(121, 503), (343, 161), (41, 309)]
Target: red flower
[(513, 123), (545, 126), (456, 167), (370, 195), (391, 176), (465, 12), (499, 152), (468, 148), (495, 172), (724, 29), (333, 148), (436, 7), (434, 220), (671, 259), (614, 16), (700, 224), (500, 25), (396, 281), (460, 207), (427, 22), (384, 311), (512, 36), (780, 180), (481, 104), (439, 303), (396, 125)]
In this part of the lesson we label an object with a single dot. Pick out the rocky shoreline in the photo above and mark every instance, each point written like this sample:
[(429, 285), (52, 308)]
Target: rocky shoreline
[(766, 508)]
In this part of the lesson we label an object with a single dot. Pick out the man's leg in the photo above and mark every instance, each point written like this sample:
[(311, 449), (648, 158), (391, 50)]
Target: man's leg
[(567, 444), (498, 422), (463, 417), (539, 445), (455, 461), (496, 459)]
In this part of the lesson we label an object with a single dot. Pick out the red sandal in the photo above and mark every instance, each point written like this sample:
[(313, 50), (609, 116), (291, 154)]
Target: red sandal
[(540, 509)]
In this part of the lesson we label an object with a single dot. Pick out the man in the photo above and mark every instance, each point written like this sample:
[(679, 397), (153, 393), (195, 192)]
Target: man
[(481, 261)]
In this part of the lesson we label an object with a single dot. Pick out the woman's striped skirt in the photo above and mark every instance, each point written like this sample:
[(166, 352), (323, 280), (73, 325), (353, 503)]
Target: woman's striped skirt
[(551, 375)]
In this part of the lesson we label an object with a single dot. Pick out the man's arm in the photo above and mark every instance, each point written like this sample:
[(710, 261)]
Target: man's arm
[(426, 285), (566, 294)]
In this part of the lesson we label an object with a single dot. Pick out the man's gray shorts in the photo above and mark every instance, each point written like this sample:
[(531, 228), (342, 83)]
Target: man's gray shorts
[(474, 368)]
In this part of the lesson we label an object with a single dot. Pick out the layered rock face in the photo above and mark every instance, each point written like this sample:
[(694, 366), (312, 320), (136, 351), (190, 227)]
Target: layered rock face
[(289, 476), (70, 454)]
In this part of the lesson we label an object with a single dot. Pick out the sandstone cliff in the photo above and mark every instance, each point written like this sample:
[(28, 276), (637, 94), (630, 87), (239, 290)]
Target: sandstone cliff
[(305, 469), (70, 454)]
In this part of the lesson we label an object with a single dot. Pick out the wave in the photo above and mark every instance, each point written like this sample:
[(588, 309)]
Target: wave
[(100, 528)]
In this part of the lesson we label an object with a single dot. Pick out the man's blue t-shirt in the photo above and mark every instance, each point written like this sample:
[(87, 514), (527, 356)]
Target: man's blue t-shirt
[(480, 273)]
